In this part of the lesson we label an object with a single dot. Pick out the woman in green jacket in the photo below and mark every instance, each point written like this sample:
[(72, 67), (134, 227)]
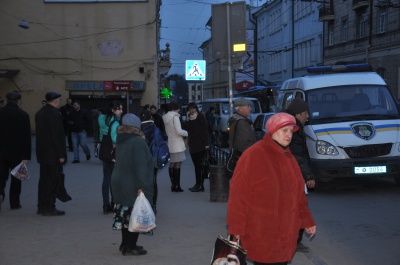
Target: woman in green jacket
[(105, 121), (133, 174)]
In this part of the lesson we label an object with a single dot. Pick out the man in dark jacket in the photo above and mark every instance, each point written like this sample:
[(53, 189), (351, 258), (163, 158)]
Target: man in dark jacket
[(15, 145), (51, 153), (211, 124), (298, 146), (241, 134), (80, 122), (65, 110)]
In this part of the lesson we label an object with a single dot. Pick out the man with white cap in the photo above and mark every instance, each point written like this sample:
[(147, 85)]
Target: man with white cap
[(267, 185)]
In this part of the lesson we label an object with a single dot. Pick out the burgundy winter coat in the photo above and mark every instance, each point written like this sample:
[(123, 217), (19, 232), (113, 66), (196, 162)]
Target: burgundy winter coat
[(267, 205)]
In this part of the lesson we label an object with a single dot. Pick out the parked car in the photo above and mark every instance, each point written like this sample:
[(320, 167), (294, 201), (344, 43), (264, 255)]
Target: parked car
[(259, 124)]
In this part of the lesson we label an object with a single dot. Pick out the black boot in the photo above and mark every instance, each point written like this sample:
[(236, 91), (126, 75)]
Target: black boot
[(172, 178), (131, 248), (201, 186), (196, 186), (177, 175)]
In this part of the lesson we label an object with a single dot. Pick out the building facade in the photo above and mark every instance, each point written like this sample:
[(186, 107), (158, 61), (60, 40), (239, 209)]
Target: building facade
[(289, 39), (364, 31), (92, 51), (195, 92)]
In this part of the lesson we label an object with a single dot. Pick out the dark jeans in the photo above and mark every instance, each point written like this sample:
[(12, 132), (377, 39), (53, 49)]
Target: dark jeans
[(197, 158), (108, 168), (155, 188), (48, 183), (15, 186), (278, 263)]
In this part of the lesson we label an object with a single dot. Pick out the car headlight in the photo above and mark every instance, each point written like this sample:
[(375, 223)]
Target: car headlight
[(325, 148)]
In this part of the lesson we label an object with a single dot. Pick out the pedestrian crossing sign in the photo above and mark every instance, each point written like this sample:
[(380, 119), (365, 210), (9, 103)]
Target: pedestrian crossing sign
[(195, 70)]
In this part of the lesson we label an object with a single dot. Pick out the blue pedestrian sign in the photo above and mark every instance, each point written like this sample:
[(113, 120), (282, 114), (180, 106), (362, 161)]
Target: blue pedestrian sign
[(195, 70)]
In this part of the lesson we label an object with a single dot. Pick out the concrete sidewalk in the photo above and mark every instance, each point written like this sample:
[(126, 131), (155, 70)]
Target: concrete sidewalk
[(187, 224)]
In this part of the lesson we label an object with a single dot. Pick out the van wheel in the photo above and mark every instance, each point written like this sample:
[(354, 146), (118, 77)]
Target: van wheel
[(397, 180)]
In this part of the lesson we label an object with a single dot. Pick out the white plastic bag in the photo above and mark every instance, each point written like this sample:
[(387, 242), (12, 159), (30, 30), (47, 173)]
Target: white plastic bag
[(20, 172), (142, 216)]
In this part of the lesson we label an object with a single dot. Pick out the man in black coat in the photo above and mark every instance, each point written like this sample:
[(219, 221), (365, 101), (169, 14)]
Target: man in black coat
[(65, 110), (15, 145), (51, 153), (298, 146)]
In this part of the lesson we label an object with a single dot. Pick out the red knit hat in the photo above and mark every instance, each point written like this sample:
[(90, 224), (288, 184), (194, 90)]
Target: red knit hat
[(280, 120)]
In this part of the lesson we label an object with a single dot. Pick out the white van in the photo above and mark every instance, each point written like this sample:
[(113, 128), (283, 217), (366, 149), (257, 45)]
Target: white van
[(354, 126), (221, 106)]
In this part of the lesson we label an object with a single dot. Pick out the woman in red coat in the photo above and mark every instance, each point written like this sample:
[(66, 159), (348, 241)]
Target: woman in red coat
[(267, 205)]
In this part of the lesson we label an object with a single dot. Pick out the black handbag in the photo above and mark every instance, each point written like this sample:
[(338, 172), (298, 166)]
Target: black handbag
[(107, 148), (61, 193), (233, 156), (228, 252)]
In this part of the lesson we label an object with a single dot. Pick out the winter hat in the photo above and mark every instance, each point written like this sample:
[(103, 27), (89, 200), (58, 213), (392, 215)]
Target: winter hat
[(280, 120), (50, 96), (297, 106), (13, 96), (242, 102), (131, 120)]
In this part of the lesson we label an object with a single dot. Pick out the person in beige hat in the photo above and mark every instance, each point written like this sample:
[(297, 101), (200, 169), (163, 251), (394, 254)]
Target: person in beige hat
[(241, 131)]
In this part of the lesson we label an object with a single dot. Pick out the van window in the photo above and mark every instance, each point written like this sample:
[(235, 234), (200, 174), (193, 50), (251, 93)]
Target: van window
[(352, 101)]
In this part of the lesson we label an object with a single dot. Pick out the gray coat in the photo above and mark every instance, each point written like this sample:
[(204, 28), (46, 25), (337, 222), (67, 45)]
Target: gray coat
[(241, 134)]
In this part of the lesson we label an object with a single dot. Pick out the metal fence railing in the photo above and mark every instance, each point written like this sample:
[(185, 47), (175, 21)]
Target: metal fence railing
[(220, 155)]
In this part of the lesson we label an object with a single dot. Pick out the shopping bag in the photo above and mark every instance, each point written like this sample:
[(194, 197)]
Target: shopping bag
[(228, 252), (20, 172), (142, 217)]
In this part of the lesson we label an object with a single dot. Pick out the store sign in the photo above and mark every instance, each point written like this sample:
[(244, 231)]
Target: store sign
[(105, 85), (118, 85)]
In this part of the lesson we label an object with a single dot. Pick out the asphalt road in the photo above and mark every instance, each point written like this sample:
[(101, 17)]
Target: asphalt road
[(357, 224)]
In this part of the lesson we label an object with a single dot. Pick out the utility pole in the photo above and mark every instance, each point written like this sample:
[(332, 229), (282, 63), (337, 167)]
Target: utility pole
[(228, 33)]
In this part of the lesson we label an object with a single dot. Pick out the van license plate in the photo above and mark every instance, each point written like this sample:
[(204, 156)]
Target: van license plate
[(370, 170)]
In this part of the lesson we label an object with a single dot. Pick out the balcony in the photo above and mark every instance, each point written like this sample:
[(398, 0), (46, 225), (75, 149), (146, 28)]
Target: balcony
[(358, 4), (326, 14)]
